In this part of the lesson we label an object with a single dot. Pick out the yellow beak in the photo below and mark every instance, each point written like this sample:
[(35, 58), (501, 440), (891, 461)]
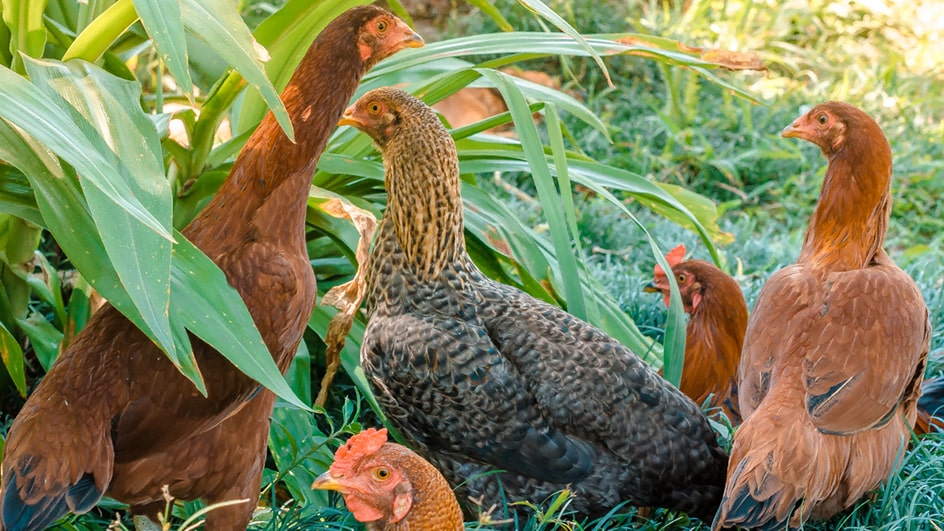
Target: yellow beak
[(327, 482), (348, 118)]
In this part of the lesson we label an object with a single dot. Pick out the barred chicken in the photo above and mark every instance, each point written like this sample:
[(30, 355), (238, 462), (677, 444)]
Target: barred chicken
[(510, 397)]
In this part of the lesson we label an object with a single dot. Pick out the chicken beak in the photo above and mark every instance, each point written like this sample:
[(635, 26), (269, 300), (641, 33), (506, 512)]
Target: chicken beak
[(348, 118), (328, 482), (411, 38), (414, 40), (651, 288), (793, 130)]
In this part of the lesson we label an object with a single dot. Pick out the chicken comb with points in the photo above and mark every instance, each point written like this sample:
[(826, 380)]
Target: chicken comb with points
[(673, 257), (364, 443)]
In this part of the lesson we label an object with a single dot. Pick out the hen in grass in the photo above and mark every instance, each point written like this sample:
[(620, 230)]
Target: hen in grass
[(113, 415), (717, 318), (481, 377), (389, 487), (835, 348)]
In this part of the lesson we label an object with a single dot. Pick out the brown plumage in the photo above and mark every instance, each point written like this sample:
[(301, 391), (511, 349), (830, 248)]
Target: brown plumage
[(113, 415), (715, 331), (389, 487), (835, 348), (481, 377)]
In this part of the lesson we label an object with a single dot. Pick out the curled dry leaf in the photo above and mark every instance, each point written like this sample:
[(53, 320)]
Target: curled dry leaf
[(348, 296), (728, 59)]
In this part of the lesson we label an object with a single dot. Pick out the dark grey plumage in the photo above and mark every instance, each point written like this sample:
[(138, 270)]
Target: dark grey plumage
[(481, 376)]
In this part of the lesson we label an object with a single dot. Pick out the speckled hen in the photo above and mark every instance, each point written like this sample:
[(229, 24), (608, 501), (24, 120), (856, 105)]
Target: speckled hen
[(481, 377)]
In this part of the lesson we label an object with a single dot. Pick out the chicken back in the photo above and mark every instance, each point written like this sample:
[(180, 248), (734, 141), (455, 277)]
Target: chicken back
[(714, 334), (835, 348), (389, 487), (482, 378), (113, 415)]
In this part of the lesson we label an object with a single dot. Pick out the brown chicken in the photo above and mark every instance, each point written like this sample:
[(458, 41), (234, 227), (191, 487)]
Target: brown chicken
[(113, 415), (835, 348), (718, 316), (715, 331), (389, 487), (482, 378)]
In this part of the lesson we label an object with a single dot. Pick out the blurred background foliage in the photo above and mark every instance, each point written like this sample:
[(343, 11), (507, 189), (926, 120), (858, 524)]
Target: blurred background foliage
[(662, 143)]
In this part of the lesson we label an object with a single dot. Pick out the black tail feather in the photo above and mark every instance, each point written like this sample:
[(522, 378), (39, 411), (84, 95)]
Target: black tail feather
[(18, 515)]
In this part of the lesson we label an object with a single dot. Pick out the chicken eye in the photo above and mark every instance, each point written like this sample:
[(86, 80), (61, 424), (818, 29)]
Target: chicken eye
[(373, 107), (681, 277), (382, 26), (822, 119), (381, 474)]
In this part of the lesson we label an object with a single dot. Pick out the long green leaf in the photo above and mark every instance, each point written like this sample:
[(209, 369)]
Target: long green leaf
[(107, 110), (549, 196), (161, 19), (48, 118), (24, 19), (549, 14), (16, 196), (217, 24), (215, 313), (13, 359)]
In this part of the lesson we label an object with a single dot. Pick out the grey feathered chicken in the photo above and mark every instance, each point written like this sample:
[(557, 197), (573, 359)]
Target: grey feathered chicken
[(480, 376)]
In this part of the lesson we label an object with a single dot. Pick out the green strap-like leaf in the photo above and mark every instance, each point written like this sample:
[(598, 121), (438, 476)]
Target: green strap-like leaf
[(216, 23), (108, 113), (549, 196), (12, 359), (161, 19)]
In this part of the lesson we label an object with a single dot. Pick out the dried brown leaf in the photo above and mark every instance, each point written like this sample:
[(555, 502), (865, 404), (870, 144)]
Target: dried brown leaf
[(348, 296)]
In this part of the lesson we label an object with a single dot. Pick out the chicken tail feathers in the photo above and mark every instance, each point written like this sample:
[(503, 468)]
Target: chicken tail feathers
[(931, 407), (765, 505), (20, 514)]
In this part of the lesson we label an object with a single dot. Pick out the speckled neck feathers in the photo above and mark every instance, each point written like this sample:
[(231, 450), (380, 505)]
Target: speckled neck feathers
[(424, 208), (848, 228)]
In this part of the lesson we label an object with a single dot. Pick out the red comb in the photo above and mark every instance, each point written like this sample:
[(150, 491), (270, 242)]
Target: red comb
[(364, 443), (673, 257)]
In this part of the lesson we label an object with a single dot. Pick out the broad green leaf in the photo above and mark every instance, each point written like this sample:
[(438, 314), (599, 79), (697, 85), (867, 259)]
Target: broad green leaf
[(24, 19), (161, 19), (217, 24), (214, 312), (16, 196), (541, 9), (12, 359), (44, 337), (107, 110), (102, 32), (49, 119)]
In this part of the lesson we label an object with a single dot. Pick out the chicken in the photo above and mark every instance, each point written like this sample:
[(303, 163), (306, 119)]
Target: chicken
[(113, 415), (481, 377), (715, 331), (930, 407), (389, 487), (835, 348)]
